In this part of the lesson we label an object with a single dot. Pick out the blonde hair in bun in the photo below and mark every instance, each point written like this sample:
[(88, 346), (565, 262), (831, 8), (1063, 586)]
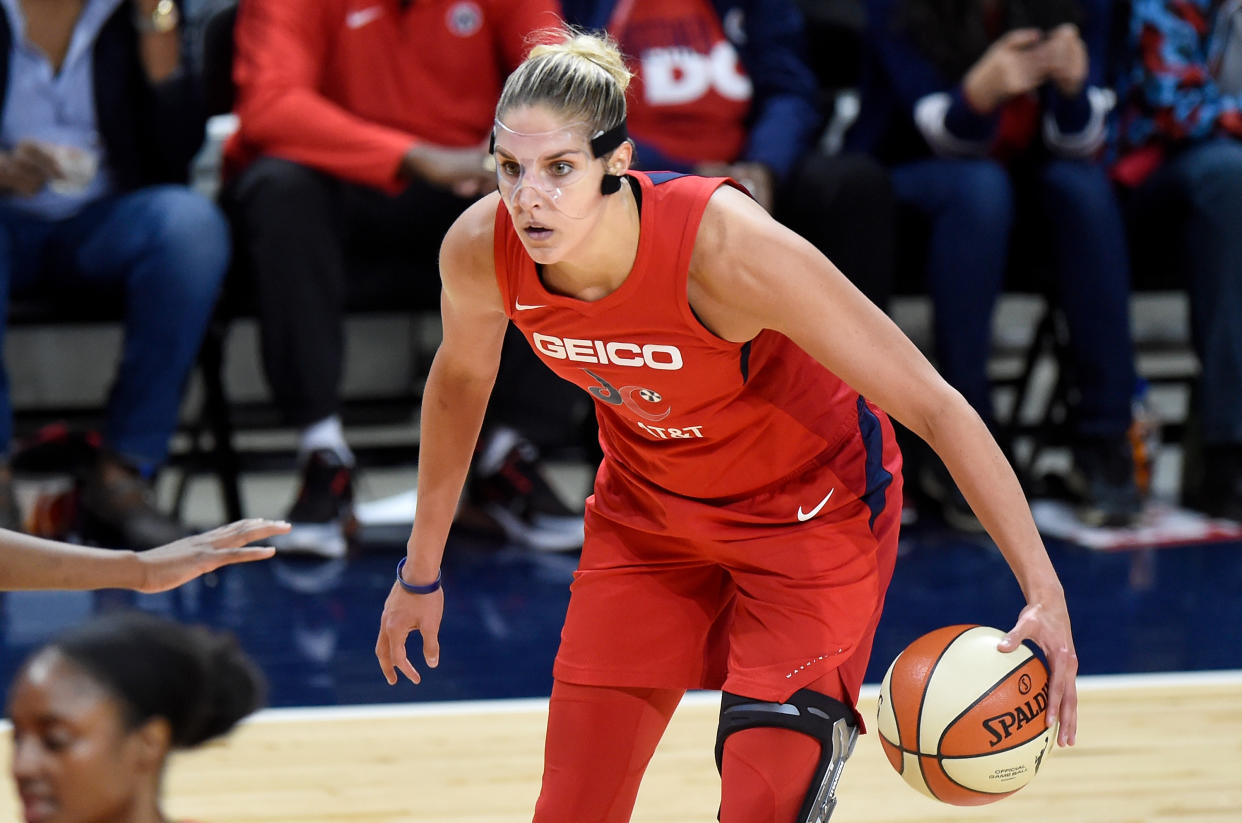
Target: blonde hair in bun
[(580, 74)]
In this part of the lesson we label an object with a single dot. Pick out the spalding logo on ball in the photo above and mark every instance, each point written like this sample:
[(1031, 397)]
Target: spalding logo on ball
[(963, 722)]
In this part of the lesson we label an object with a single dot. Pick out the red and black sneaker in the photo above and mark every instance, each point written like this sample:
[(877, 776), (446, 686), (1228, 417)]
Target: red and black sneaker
[(322, 516), (508, 492)]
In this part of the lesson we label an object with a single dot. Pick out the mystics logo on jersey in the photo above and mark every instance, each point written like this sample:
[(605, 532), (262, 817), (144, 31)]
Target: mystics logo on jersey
[(646, 403)]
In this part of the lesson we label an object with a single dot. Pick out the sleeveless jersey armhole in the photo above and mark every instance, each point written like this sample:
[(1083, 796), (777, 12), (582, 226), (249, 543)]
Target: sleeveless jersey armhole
[(690, 233), (500, 257)]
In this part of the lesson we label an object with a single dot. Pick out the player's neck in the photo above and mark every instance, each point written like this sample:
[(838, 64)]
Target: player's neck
[(601, 264)]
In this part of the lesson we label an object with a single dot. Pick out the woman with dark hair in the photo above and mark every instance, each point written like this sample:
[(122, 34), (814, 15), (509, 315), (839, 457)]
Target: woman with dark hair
[(989, 114), (97, 711)]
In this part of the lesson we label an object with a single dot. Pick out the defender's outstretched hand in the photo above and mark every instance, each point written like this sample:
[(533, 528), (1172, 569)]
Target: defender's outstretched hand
[(166, 567)]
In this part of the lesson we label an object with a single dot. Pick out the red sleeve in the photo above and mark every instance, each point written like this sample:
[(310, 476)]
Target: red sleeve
[(278, 69), (520, 23)]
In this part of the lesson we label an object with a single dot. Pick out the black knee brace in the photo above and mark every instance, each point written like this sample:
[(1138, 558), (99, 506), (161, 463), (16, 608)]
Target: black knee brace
[(824, 718)]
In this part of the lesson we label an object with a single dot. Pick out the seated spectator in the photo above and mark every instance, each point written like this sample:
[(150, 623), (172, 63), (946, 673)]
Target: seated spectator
[(723, 88), (365, 129), (97, 711), (985, 110), (98, 123), (1180, 140), (28, 562)]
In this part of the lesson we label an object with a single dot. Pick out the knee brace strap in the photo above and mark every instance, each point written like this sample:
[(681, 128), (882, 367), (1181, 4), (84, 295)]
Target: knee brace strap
[(824, 718)]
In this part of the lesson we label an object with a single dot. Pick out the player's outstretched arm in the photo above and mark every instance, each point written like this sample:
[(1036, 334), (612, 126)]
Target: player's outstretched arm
[(749, 273), (34, 563), (454, 399)]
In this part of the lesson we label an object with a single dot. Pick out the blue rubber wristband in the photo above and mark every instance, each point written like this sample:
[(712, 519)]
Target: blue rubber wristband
[(433, 586)]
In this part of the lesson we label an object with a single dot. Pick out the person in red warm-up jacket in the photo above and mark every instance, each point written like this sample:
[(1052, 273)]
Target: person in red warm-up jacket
[(363, 127)]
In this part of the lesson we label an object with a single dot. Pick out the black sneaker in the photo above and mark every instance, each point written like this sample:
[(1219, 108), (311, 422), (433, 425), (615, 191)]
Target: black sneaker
[(1103, 481), (118, 509), (508, 489), (1220, 492), (322, 516)]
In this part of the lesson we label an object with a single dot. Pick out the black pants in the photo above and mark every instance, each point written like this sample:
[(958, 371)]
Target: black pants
[(313, 246), (844, 205)]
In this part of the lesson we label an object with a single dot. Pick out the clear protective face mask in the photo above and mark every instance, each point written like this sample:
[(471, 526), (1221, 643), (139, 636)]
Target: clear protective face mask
[(552, 167)]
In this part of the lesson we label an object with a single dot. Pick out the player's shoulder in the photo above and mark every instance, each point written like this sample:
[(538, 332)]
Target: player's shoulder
[(470, 239), (729, 218), (467, 254)]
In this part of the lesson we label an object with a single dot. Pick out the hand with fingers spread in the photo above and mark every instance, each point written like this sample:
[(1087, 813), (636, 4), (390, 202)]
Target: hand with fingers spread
[(28, 562), (405, 612), (1045, 621), (166, 567)]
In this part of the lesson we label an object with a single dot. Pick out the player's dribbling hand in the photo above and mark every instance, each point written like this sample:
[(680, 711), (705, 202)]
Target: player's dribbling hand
[(404, 613), (1046, 623)]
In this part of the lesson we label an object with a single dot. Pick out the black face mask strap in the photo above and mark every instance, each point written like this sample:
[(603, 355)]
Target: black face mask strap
[(602, 144)]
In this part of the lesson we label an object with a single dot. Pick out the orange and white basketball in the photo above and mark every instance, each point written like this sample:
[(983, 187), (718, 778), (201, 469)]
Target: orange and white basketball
[(963, 722)]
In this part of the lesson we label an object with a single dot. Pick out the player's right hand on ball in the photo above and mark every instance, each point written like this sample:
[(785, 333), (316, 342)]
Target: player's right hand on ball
[(405, 613)]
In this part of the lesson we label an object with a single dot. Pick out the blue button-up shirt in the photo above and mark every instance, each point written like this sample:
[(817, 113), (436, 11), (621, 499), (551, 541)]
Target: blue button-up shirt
[(56, 108)]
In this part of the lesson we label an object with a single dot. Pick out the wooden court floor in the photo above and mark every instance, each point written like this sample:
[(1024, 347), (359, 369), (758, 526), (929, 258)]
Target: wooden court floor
[(1152, 749)]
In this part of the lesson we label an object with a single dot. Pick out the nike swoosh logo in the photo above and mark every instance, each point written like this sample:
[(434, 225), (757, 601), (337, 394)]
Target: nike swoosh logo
[(523, 307), (805, 516), (358, 19)]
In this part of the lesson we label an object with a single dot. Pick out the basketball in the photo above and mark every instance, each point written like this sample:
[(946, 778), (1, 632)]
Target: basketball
[(962, 722)]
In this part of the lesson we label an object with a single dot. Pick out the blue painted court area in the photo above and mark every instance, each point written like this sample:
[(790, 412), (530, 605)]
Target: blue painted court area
[(311, 623)]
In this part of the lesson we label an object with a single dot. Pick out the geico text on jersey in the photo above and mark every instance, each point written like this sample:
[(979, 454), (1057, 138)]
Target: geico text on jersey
[(651, 355)]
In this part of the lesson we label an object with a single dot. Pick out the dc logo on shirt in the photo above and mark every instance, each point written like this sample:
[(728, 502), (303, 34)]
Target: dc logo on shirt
[(464, 19), (672, 76)]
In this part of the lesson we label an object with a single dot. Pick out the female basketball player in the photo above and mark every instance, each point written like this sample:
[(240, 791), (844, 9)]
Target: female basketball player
[(744, 523), (96, 712)]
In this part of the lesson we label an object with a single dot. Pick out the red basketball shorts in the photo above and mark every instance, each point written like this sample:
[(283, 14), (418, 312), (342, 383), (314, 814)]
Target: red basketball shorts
[(758, 597)]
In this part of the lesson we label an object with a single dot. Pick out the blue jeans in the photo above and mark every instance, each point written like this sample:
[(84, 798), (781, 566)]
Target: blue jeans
[(166, 249), (970, 208), (1192, 206)]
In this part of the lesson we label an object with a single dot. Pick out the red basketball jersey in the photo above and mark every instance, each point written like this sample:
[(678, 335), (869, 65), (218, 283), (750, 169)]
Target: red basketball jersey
[(679, 408)]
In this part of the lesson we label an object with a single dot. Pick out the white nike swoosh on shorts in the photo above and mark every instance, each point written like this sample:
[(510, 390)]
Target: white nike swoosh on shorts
[(358, 19), (805, 516), (523, 307)]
